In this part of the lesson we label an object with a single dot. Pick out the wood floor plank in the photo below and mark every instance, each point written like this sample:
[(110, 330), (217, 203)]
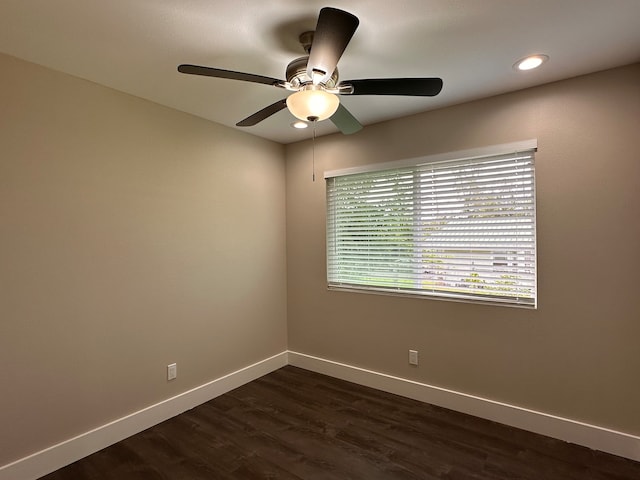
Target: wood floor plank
[(294, 425)]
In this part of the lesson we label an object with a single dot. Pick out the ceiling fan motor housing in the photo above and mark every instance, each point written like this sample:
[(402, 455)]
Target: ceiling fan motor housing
[(297, 74)]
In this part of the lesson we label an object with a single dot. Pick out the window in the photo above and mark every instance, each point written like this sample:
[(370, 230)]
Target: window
[(459, 226)]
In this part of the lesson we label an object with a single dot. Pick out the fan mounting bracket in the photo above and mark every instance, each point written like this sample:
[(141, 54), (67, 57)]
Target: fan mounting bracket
[(306, 39)]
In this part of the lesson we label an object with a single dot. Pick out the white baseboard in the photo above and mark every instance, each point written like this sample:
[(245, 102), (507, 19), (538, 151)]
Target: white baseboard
[(64, 453), (591, 436)]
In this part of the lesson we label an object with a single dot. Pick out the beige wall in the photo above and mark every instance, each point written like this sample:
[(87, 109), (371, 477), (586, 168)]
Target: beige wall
[(578, 354), (131, 236)]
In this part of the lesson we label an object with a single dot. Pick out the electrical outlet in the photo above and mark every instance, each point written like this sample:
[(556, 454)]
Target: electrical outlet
[(172, 371), (413, 357)]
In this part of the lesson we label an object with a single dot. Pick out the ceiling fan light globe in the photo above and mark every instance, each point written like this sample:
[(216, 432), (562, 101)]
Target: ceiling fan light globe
[(312, 104)]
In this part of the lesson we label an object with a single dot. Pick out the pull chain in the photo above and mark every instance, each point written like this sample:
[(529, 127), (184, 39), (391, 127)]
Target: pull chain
[(313, 155), (313, 120)]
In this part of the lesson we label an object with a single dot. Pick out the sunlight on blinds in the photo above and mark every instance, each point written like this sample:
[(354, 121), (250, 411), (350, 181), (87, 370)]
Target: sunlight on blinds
[(462, 229)]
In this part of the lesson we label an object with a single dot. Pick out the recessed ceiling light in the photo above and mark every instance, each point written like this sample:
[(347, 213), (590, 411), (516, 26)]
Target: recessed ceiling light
[(530, 62), (299, 124)]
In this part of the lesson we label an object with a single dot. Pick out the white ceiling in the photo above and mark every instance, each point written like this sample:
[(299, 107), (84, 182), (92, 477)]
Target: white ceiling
[(135, 46)]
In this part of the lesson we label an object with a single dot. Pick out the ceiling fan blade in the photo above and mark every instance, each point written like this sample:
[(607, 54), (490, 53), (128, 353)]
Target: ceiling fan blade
[(220, 73), (345, 122), (333, 33), (418, 87), (266, 112)]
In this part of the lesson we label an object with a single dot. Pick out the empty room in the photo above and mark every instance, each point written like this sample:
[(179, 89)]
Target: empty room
[(306, 240)]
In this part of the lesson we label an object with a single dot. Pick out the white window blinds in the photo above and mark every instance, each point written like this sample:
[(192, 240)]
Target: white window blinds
[(462, 229)]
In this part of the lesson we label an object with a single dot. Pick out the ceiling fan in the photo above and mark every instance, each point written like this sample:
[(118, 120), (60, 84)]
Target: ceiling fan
[(314, 77)]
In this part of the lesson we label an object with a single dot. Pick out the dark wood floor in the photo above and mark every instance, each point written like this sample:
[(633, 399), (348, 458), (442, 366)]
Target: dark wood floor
[(295, 424)]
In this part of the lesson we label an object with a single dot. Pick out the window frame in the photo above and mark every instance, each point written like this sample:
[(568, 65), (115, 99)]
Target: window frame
[(498, 260)]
